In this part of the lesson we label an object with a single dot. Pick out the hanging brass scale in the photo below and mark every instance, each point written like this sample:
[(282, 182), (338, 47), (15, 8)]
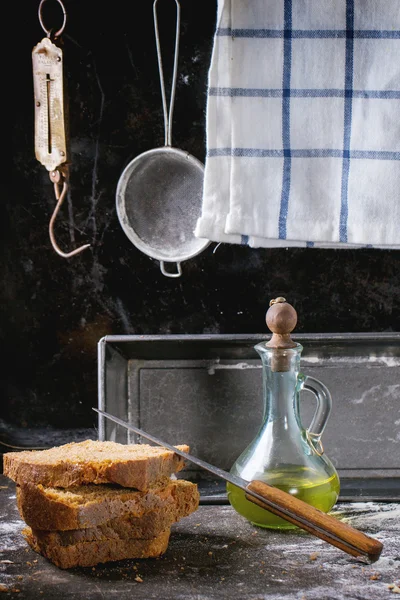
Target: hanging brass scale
[(51, 143)]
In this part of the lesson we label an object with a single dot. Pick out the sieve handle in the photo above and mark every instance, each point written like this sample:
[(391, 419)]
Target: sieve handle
[(168, 114), (178, 272)]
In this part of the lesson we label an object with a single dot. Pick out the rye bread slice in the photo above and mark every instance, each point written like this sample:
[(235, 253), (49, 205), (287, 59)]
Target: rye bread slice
[(139, 466), (88, 554), (93, 505), (150, 525)]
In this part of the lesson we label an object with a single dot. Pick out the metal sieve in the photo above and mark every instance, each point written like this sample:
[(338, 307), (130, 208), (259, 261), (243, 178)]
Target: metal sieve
[(159, 193)]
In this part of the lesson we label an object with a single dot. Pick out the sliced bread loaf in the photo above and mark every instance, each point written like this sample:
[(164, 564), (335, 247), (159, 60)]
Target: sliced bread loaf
[(150, 525), (88, 554), (93, 505), (138, 466)]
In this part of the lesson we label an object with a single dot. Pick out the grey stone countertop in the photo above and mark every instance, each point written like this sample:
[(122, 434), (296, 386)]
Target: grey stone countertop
[(214, 553)]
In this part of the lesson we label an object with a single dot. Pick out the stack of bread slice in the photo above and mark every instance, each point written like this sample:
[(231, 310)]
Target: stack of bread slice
[(92, 502)]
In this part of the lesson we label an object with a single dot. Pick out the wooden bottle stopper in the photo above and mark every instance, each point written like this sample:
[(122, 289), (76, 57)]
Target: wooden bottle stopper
[(281, 319)]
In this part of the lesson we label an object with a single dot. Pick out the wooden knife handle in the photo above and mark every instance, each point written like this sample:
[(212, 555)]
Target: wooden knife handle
[(314, 521)]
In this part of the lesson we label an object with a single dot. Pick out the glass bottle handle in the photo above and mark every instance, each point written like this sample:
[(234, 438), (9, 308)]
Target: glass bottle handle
[(322, 412)]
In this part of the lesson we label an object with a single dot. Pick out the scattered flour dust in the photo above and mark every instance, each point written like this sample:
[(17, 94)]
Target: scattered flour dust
[(10, 536), (10, 539), (10, 533), (384, 516)]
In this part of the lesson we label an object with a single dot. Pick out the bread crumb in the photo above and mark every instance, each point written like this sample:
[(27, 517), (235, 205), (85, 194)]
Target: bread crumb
[(314, 556), (3, 588), (139, 579), (210, 553), (375, 576), (15, 590), (394, 588)]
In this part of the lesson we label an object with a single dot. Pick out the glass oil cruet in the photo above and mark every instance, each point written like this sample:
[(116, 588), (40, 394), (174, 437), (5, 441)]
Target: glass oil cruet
[(284, 453)]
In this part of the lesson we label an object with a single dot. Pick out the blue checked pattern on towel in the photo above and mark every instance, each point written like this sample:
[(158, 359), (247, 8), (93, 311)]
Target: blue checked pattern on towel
[(303, 124)]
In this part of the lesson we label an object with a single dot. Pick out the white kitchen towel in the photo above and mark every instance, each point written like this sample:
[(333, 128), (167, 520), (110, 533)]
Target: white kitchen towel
[(303, 124)]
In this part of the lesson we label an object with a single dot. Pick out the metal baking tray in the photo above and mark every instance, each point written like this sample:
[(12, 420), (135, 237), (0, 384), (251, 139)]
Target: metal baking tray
[(205, 390)]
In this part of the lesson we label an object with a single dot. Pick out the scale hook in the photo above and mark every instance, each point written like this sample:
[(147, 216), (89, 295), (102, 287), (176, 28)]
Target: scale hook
[(55, 177)]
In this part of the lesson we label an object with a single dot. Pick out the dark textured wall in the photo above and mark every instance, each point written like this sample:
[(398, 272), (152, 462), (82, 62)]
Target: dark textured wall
[(54, 311)]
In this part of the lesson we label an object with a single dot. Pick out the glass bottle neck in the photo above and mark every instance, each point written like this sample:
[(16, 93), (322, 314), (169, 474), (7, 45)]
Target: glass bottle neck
[(280, 386)]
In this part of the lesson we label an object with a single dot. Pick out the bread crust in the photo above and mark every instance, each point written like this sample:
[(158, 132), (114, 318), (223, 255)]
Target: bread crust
[(90, 506), (88, 554), (139, 466)]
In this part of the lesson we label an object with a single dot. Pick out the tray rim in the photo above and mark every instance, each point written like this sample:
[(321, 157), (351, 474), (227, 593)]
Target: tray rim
[(347, 336)]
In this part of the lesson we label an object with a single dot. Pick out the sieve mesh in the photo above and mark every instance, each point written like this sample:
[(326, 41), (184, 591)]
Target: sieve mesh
[(159, 202)]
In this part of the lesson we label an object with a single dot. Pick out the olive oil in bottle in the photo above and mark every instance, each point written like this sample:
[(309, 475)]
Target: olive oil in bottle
[(300, 482)]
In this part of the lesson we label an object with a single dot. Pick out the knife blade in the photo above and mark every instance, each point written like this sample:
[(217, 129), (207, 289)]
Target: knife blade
[(282, 504)]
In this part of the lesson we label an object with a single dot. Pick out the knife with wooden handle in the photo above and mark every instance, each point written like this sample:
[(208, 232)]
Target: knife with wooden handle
[(282, 504)]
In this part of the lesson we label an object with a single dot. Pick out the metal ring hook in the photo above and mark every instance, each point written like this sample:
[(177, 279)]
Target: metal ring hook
[(168, 114), (48, 31), (60, 199)]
